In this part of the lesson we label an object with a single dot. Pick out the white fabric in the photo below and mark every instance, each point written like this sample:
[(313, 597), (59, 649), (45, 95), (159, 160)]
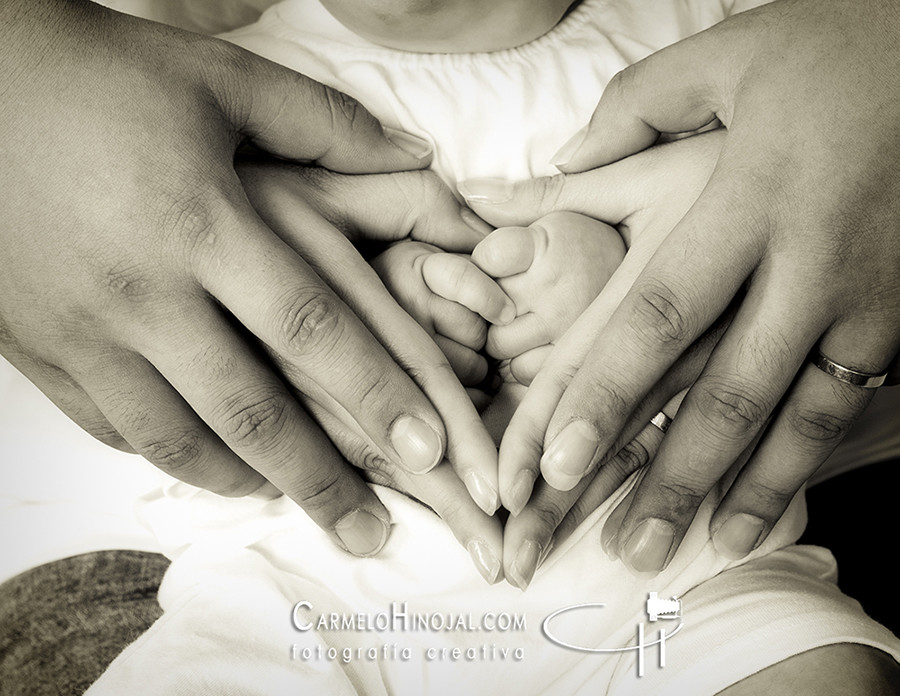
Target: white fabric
[(242, 565)]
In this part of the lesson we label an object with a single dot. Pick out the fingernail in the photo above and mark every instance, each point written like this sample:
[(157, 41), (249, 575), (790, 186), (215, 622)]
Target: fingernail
[(413, 144), (482, 492), (570, 455), (417, 444), (520, 491), (486, 190), (485, 560), (648, 547), (567, 151), (362, 533), (267, 491), (525, 564), (474, 222), (738, 535), (507, 314)]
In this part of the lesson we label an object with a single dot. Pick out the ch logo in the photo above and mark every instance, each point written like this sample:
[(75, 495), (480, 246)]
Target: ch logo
[(657, 609)]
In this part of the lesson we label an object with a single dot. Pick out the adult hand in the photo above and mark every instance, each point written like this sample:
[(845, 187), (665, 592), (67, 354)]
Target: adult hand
[(319, 214), (802, 211), (644, 196), (134, 267)]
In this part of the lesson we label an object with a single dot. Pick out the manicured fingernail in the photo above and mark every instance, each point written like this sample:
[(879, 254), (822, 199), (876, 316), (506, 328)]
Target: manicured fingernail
[(414, 145), (267, 491), (648, 546), (525, 564), (362, 533), (520, 491), (482, 492), (507, 314), (738, 535), (486, 190), (475, 222), (485, 560), (570, 455), (417, 444), (567, 151)]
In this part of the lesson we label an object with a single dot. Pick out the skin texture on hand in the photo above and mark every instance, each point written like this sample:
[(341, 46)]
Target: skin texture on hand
[(643, 196), (798, 226), (145, 296)]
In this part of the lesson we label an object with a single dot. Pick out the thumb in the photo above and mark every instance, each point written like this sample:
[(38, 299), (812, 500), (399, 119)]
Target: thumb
[(605, 194), (297, 118), (676, 90)]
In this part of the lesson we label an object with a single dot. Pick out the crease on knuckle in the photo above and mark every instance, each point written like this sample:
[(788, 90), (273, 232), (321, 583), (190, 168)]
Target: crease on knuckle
[(372, 398), (660, 317), (816, 427), (256, 423), (190, 218), (128, 282), (312, 324), (178, 454), (317, 492), (549, 513), (548, 191), (632, 457), (728, 410), (678, 499)]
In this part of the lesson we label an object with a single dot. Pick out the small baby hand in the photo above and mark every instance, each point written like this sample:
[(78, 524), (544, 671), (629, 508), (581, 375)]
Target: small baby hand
[(552, 270), (450, 297)]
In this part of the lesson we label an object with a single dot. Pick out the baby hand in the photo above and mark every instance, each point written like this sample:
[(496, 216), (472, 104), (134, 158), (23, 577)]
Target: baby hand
[(450, 298), (552, 270)]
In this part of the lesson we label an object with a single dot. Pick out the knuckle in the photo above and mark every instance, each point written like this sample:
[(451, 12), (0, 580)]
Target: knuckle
[(312, 323), (176, 453), (728, 410), (377, 394), (128, 282), (549, 513), (818, 427), (548, 191), (345, 110), (679, 499), (108, 435), (313, 491), (190, 217), (631, 457), (660, 316), (256, 423)]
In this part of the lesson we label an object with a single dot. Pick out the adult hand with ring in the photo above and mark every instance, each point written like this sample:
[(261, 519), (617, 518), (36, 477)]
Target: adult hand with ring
[(798, 225)]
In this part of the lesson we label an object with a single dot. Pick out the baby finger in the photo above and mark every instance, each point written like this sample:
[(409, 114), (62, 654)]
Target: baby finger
[(457, 279)]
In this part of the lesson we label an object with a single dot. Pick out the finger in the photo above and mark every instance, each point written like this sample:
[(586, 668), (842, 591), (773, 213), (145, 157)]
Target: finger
[(525, 367), (457, 279), (161, 427), (292, 311), (255, 420), (457, 323), (439, 489), (724, 412), (816, 414), (551, 515), (611, 193), (58, 386), (469, 366), (667, 308), (415, 205), (505, 252), (389, 390), (297, 118), (671, 91), (523, 334)]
